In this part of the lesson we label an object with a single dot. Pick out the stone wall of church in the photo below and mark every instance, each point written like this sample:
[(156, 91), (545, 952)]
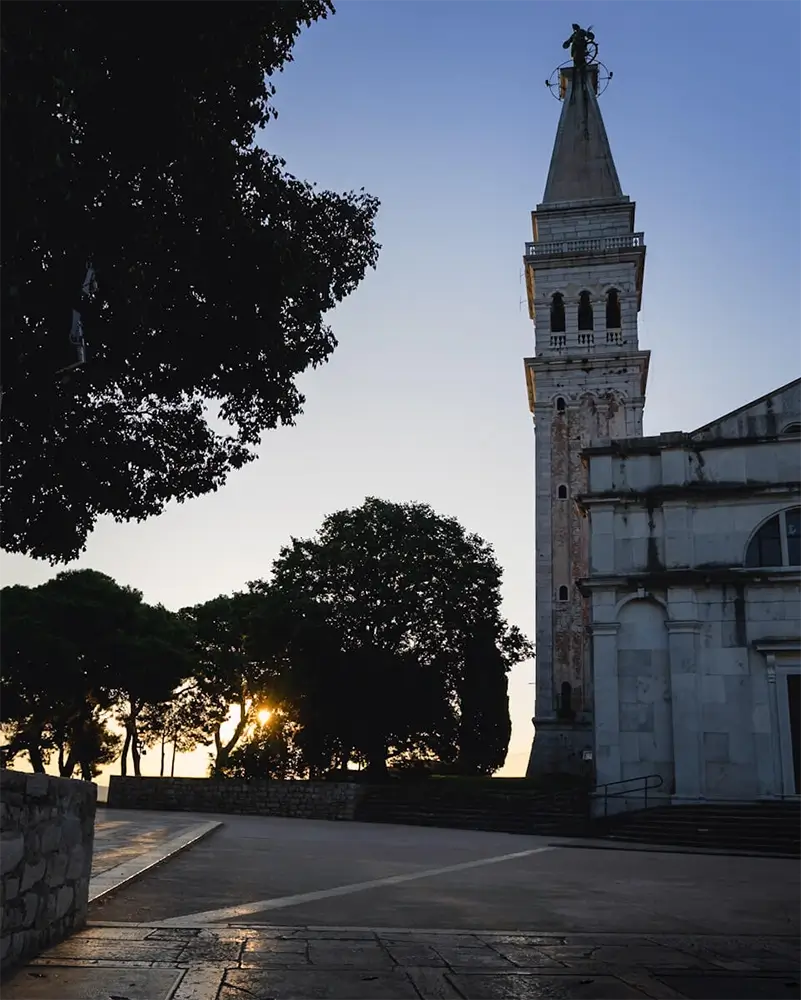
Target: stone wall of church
[(692, 647)]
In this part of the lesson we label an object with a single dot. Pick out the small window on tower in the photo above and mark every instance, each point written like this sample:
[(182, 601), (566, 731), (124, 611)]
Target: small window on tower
[(566, 699), (563, 593), (557, 313), (560, 404), (562, 492), (612, 309), (585, 312)]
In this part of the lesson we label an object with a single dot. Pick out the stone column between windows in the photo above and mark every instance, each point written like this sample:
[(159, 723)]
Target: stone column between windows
[(606, 702), (688, 730)]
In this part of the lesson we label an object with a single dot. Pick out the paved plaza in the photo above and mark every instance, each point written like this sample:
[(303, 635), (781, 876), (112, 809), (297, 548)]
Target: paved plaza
[(279, 908)]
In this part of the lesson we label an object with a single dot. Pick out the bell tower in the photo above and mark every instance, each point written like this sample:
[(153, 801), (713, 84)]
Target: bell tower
[(584, 277)]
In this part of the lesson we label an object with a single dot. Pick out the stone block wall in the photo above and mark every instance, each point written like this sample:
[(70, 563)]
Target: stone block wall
[(46, 837), (302, 799)]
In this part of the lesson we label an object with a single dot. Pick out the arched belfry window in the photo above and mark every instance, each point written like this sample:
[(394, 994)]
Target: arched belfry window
[(612, 309), (557, 313), (561, 493), (777, 542), (585, 311), (563, 593), (560, 404)]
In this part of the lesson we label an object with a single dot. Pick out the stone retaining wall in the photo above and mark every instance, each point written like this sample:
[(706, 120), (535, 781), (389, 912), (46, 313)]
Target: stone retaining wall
[(46, 835), (301, 799)]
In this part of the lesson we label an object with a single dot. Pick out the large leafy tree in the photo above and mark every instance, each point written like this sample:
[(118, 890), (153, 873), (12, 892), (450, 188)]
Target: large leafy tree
[(76, 649), (381, 614), (129, 142)]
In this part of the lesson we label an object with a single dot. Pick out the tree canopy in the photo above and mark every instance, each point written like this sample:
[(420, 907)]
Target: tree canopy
[(389, 613), (129, 144), (76, 649), (378, 641)]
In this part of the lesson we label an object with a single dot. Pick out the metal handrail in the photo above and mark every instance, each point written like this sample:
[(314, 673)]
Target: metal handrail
[(644, 778)]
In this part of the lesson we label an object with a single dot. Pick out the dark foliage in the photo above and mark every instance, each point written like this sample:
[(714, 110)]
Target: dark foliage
[(129, 142)]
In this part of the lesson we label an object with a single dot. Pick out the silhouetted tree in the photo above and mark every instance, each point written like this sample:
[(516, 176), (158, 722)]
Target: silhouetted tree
[(129, 143), (485, 726), (269, 751), (74, 649), (375, 614), (229, 672)]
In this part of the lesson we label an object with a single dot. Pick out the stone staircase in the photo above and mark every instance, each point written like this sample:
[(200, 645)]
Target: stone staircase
[(760, 827), (446, 804)]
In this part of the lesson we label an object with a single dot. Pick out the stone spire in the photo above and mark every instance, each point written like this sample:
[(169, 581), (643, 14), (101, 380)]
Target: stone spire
[(582, 167)]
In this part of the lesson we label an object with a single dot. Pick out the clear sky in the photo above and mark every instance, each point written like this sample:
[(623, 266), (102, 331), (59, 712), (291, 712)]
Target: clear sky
[(440, 109)]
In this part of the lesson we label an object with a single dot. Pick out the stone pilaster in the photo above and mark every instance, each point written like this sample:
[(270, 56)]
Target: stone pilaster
[(687, 707), (606, 705)]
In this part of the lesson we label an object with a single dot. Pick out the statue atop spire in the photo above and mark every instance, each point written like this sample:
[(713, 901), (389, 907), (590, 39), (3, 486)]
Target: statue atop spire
[(583, 47)]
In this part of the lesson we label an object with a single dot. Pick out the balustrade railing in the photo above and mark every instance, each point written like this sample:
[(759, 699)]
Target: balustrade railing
[(585, 341), (603, 244)]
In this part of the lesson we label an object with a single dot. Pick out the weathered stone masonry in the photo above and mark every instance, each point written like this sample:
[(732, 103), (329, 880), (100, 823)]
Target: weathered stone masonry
[(301, 799), (47, 833)]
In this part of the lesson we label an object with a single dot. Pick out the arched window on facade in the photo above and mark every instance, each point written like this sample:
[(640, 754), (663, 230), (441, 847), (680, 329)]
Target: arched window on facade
[(777, 542), (557, 313), (563, 593), (560, 404), (792, 429), (585, 311), (566, 700), (561, 493), (613, 310)]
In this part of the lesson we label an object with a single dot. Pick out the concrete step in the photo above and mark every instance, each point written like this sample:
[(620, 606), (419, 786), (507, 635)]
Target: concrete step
[(763, 827)]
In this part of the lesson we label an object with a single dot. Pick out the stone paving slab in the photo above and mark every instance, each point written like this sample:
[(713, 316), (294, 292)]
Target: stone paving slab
[(144, 962)]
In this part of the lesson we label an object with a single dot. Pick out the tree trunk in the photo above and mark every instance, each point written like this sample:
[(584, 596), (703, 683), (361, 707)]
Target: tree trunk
[(377, 762), (163, 742), (130, 726), (137, 757), (224, 751), (172, 766), (35, 754), (69, 765), (124, 757)]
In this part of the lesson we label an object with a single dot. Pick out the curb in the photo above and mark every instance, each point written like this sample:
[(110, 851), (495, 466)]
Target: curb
[(123, 874)]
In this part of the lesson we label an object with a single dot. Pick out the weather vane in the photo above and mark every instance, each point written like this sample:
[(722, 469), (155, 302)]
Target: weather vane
[(583, 56)]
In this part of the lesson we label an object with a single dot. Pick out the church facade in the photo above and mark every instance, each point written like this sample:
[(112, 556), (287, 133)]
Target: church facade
[(694, 592), (616, 642)]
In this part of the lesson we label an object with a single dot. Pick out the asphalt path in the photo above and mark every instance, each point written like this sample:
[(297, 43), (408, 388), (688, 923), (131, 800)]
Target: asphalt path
[(286, 872)]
